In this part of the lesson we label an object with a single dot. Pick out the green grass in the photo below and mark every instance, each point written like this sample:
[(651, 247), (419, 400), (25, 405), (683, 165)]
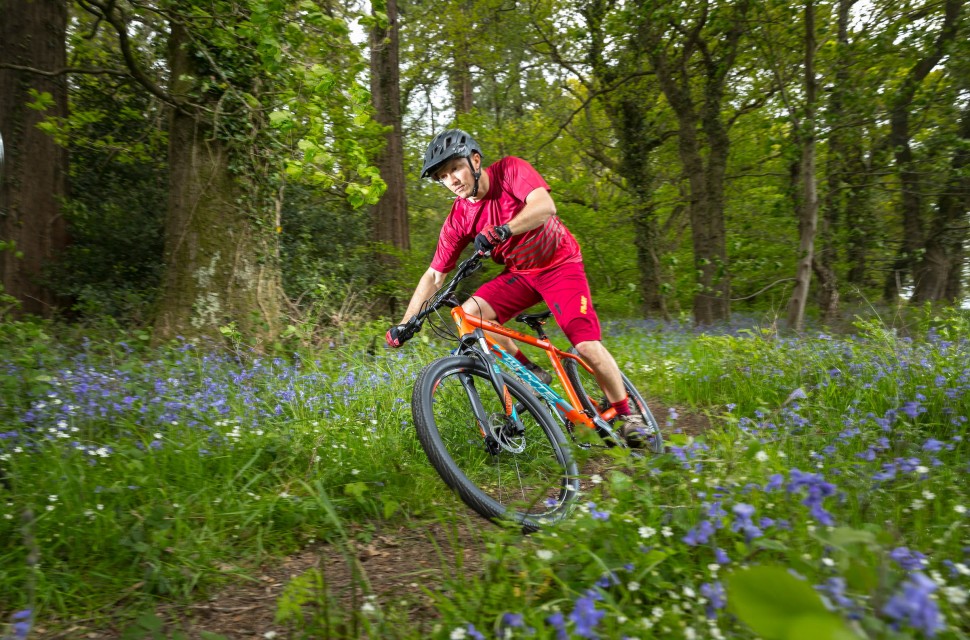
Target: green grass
[(138, 475)]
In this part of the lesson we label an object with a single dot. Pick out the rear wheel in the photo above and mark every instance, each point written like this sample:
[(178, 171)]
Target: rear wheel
[(594, 401), (521, 470)]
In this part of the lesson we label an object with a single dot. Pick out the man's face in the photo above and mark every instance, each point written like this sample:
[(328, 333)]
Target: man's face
[(457, 175)]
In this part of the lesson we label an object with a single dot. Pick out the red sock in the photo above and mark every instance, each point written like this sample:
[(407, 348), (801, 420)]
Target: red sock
[(622, 407), (521, 357)]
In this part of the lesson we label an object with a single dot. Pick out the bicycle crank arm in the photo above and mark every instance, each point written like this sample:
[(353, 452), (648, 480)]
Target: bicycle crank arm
[(608, 434)]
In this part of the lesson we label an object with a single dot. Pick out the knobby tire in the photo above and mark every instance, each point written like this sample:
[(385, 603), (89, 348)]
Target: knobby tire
[(532, 487)]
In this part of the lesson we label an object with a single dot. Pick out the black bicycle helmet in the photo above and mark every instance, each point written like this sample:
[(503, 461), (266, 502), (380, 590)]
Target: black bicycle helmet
[(451, 143)]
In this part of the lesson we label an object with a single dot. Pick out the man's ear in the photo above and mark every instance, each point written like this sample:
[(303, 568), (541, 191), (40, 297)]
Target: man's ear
[(477, 165)]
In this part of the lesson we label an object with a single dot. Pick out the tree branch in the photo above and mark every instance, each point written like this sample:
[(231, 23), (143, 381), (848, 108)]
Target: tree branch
[(106, 11), (65, 70), (595, 94)]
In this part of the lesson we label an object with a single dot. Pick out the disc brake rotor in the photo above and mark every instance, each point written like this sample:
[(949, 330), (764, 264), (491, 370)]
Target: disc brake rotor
[(503, 430)]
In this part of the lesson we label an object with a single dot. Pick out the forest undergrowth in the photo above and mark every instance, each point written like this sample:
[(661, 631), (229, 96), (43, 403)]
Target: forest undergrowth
[(829, 498)]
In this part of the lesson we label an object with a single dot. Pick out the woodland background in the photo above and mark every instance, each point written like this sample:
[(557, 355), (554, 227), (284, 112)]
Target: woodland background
[(189, 167)]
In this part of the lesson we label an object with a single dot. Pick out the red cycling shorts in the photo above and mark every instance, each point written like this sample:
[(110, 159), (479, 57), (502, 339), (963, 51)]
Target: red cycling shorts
[(563, 288)]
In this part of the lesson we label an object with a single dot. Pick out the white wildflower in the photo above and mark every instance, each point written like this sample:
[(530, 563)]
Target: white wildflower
[(956, 595), (647, 532), (761, 456), (544, 554)]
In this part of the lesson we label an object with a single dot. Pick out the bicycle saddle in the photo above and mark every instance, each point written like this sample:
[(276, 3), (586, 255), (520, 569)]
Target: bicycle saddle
[(529, 318)]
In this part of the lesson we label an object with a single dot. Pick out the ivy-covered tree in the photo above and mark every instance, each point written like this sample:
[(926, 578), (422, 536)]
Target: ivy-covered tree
[(258, 93)]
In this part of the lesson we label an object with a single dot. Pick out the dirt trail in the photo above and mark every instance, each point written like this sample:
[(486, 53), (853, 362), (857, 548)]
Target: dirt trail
[(398, 564)]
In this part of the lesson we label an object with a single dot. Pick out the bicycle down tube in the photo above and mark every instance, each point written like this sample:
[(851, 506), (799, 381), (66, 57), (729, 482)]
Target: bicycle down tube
[(467, 324)]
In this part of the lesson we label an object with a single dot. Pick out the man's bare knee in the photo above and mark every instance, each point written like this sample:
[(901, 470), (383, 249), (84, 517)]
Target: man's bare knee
[(479, 307)]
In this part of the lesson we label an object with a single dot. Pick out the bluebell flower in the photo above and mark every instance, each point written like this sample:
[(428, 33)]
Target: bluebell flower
[(775, 481), (716, 598), (714, 510), (721, 556), (513, 620), (868, 455), (834, 588), (913, 605), (699, 534), (586, 617), (908, 560), (558, 622), (817, 490), (742, 522), (22, 623), (607, 580), (597, 515)]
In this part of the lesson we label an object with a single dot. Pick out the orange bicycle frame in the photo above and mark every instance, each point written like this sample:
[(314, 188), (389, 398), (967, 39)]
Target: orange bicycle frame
[(467, 323)]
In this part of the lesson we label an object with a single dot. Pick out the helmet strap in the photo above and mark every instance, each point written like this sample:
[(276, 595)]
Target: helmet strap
[(476, 174)]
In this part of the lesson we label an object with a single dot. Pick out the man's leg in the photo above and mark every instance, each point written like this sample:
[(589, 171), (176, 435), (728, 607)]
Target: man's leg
[(480, 307), (501, 299), (604, 368), (566, 291)]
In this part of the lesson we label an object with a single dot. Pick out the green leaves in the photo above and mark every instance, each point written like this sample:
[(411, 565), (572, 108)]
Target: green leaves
[(778, 606), (43, 100)]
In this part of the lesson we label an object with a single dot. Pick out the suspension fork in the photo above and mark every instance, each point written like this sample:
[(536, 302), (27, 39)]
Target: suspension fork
[(475, 344)]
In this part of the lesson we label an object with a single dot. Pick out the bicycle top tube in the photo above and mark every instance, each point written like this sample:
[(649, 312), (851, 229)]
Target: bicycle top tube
[(467, 322)]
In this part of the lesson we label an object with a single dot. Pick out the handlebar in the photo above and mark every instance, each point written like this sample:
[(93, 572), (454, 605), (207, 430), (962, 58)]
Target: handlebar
[(435, 302)]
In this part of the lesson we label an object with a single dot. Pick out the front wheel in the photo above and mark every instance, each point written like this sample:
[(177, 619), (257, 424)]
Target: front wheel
[(594, 400), (521, 470)]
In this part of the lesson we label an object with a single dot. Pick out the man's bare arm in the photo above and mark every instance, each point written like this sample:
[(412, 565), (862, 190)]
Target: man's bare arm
[(539, 207), (430, 282)]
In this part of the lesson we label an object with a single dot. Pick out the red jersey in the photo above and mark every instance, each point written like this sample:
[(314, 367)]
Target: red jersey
[(510, 180)]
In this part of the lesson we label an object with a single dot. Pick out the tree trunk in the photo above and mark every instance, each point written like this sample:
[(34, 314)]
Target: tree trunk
[(942, 262), (703, 168), (32, 228), (636, 141), (390, 214), (221, 262), (717, 273), (808, 218), (832, 209), (705, 249), (636, 144), (911, 203)]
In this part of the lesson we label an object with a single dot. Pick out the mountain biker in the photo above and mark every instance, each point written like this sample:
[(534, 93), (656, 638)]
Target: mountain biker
[(507, 208)]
